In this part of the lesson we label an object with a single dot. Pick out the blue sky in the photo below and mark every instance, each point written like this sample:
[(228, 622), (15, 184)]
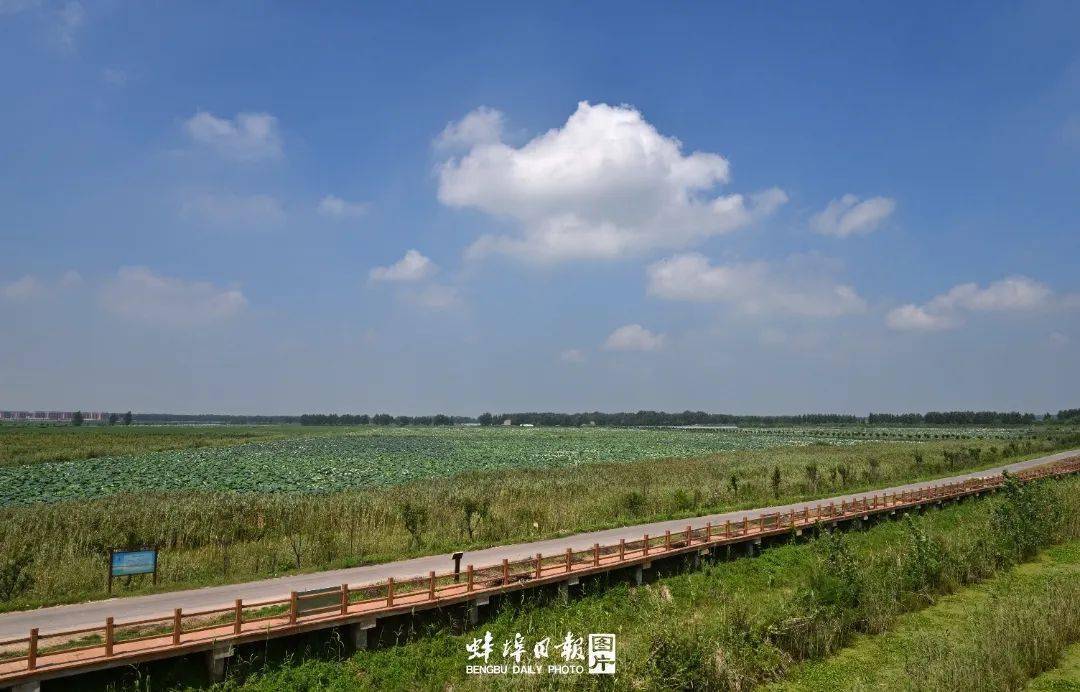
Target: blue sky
[(269, 208)]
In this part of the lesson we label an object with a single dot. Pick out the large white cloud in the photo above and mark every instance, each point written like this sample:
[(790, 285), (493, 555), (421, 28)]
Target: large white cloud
[(247, 137), (851, 216), (139, 294), (412, 267), (634, 337), (604, 185), (945, 311), (801, 286)]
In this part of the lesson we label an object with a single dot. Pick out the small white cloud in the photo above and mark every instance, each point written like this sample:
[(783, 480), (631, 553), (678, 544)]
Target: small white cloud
[(572, 355), (21, 289), (945, 311), (802, 286), (435, 297), (1070, 131), (605, 185), (634, 337), (69, 19), (70, 279), (17, 6), (1012, 293), (412, 267), (849, 216), (248, 137), (911, 317), (114, 77), (481, 126), (338, 208), (138, 294), (235, 211)]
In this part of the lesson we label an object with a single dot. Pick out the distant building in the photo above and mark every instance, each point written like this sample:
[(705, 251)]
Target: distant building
[(53, 416), (527, 425), (507, 422)]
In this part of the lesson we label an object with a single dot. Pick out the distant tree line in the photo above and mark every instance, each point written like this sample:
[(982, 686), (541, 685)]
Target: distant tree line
[(211, 418), (381, 419), (952, 418), (660, 418), (1069, 414)]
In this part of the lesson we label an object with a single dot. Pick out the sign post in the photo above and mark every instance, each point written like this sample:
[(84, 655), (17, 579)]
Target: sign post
[(123, 563)]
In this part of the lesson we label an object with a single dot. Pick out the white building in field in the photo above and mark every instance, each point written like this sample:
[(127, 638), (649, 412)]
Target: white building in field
[(52, 416)]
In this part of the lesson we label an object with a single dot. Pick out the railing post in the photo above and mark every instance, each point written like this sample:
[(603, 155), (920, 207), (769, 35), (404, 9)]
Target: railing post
[(727, 528), (293, 597), (569, 558), (596, 554), (108, 636), (344, 599), (431, 585), (539, 565), (622, 549), (238, 616), (506, 572), (469, 578), (645, 546), (176, 626), (31, 654), (667, 540), (792, 518), (745, 525), (389, 592), (689, 535)]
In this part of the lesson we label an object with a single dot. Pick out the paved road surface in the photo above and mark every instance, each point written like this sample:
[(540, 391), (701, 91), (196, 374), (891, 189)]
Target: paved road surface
[(79, 615)]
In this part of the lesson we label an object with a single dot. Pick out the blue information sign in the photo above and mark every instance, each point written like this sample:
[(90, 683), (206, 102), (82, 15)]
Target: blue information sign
[(129, 562)]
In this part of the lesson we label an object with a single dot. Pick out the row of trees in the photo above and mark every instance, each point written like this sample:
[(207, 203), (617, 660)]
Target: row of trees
[(952, 418), (1069, 414), (380, 419), (78, 419), (660, 418)]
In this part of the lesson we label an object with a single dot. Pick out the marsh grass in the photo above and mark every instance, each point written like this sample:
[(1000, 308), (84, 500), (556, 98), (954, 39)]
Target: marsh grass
[(212, 538), (736, 625), (994, 636)]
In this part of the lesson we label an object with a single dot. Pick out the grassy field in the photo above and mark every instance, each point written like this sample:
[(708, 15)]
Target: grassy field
[(993, 636), (58, 549), (1065, 677), (36, 444), (786, 615), (321, 460)]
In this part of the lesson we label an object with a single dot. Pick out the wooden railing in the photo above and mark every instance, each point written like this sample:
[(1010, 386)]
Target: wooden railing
[(123, 642)]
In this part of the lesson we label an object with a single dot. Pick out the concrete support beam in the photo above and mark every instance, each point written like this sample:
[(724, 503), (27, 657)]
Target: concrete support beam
[(358, 634), (215, 661), (474, 609), (28, 686), (638, 576)]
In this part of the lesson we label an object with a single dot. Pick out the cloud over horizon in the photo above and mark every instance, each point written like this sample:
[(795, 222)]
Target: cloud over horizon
[(945, 311), (141, 295), (802, 286)]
